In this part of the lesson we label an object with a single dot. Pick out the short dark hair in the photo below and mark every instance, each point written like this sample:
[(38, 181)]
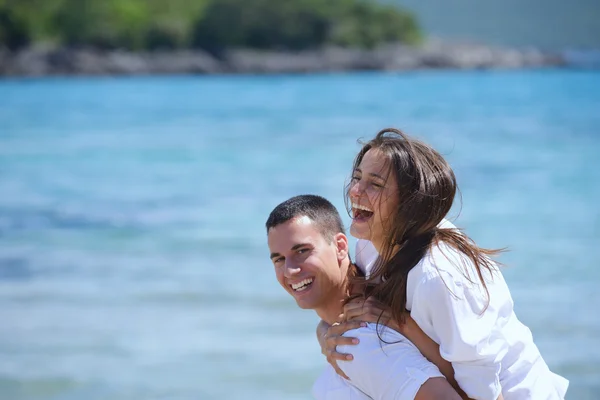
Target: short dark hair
[(317, 208)]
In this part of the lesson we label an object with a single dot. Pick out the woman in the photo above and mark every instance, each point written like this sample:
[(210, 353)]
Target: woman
[(420, 265)]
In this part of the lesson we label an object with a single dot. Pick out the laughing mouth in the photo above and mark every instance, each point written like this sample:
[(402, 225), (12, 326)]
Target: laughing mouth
[(302, 285), (361, 212)]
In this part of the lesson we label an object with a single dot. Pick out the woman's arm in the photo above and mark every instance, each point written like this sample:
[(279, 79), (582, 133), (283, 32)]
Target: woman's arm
[(387, 366), (372, 311), (466, 329), (431, 350), (331, 336)]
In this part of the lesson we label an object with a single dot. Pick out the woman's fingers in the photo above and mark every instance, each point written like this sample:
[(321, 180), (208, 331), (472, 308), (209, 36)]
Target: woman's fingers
[(331, 344), (335, 366), (375, 319), (366, 310), (341, 328), (334, 338), (355, 309)]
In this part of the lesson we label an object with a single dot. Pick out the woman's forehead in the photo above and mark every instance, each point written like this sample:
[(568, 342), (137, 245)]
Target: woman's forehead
[(375, 161)]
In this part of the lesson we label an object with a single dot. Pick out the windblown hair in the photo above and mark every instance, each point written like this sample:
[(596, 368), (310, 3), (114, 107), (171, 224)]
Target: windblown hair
[(426, 190), (317, 208)]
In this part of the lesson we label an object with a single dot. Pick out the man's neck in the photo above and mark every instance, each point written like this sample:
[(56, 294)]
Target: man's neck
[(332, 309)]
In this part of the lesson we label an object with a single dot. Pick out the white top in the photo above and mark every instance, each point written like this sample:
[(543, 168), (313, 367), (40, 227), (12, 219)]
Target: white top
[(490, 349), (392, 369)]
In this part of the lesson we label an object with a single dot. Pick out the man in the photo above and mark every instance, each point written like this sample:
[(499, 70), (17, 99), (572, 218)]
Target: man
[(310, 253)]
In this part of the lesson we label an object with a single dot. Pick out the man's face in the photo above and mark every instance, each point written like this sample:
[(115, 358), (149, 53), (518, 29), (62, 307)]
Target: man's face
[(306, 265)]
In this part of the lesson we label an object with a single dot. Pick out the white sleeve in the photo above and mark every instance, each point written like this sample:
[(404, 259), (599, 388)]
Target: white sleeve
[(467, 335), (392, 369)]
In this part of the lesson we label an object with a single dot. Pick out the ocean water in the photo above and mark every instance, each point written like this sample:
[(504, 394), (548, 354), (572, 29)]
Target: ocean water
[(133, 256)]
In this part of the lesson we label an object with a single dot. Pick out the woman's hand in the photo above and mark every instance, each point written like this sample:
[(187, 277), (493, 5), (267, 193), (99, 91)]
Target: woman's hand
[(370, 310), (330, 336)]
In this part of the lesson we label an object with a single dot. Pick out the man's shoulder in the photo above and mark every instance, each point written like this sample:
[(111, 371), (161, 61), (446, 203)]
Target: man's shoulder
[(330, 386), (373, 334)]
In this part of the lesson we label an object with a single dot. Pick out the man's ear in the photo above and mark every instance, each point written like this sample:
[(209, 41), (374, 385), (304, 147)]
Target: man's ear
[(341, 242)]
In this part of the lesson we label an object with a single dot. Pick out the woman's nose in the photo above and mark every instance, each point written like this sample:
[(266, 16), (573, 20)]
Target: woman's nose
[(355, 189)]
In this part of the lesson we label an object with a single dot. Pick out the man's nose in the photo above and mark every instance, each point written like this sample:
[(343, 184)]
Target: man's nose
[(291, 269)]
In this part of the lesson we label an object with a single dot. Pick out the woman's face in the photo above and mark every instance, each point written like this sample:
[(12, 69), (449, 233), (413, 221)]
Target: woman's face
[(374, 197)]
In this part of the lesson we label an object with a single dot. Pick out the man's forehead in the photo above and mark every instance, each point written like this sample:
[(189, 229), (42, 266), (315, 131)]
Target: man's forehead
[(303, 221), (299, 228)]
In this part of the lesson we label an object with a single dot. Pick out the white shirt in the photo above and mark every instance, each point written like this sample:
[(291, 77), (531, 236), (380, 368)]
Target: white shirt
[(392, 369), (330, 386), (490, 349)]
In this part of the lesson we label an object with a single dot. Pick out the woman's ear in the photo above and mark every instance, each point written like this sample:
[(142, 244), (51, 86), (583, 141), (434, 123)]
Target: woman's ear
[(341, 242)]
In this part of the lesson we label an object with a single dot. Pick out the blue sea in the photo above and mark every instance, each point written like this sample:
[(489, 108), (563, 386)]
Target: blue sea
[(133, 255)]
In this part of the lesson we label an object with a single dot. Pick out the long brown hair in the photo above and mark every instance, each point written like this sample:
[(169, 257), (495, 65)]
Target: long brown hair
[(426, 190)]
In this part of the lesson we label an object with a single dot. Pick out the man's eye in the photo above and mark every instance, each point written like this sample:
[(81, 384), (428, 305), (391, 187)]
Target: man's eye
[(302, 251), (277, 260)]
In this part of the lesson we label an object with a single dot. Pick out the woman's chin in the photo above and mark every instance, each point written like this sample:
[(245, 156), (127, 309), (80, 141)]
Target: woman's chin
[(360, 230)]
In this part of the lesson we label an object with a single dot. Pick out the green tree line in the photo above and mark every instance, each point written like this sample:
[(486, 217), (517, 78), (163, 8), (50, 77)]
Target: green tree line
[(212, 25)]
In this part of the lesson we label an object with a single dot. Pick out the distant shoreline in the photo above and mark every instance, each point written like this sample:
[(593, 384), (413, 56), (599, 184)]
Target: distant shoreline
[(46, 61)]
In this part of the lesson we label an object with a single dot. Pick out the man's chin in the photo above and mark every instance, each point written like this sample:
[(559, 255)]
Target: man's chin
[(305, 304)]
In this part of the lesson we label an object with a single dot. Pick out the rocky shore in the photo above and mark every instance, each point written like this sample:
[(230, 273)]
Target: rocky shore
[(46, 61)]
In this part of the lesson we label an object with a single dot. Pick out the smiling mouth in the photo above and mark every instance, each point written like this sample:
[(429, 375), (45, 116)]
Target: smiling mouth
[(302, 285), (361, 213)]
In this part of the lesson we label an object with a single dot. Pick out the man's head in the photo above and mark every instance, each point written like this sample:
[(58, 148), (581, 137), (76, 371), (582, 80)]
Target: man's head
[(309, 251)]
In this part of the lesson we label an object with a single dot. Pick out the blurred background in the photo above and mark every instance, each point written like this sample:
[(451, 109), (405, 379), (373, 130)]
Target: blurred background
[(143, 144)]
